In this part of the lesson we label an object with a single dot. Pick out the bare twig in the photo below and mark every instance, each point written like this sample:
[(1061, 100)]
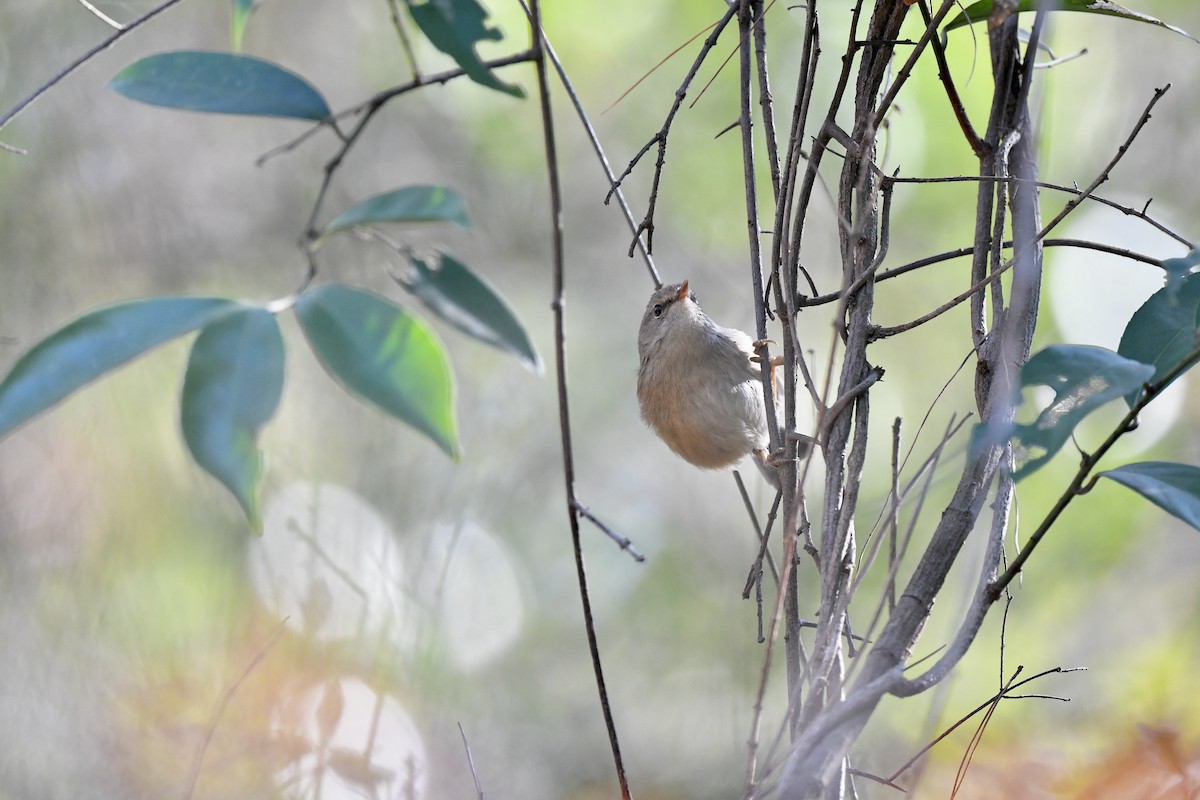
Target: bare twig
[(960, 113), (746, 19), (764, 98), (1058, 187), (471, 762), (617, 192), (373, 104), (1004, 694), (223, 702), (755, 576), (405, 42), (560, 358), (660, 138), (623, 542), (653, 69), (83, 59)]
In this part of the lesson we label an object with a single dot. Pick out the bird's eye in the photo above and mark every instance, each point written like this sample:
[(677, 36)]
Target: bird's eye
[(658, 310), (692, 296)]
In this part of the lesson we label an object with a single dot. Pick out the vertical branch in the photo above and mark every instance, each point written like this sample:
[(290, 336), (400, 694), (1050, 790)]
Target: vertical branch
[(750, 18), (846, 432), (560, 361), (783, 280), (764, 94), (746, 16)]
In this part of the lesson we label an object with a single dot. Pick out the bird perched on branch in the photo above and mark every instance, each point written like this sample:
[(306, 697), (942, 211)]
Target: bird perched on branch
[(700, 385)]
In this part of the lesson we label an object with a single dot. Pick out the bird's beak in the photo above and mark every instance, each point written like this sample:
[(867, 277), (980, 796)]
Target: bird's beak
[(683, 291)]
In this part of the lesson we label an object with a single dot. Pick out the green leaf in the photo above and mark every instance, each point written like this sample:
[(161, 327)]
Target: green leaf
[(223, 83), (410, 204), (1178, 269), (93, 345), (457, 295), (1083, 379), (1175, 488), (383, 354), (241, 15), (978, 12), (455, 27), (231, 389), (1163, 331)]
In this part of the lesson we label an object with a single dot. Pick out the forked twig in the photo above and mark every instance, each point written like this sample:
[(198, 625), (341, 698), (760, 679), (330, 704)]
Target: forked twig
[(647, 224), (1005, 693), (617, 192)]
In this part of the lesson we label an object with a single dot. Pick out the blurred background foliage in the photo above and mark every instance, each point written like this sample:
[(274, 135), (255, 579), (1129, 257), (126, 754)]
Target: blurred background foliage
[(395, 594)]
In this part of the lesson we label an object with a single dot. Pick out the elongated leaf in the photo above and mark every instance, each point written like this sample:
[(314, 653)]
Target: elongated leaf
[(455, 27), (231, 389), (222, 83), (978, 12), (1163, 331), (1175, 488), (384, 355), (1083, 379), (241, 15), (459, 296), (93, 345), (410, 204)]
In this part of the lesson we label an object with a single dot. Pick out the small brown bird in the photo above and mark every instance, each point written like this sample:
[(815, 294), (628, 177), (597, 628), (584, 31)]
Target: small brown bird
[(700, 385)]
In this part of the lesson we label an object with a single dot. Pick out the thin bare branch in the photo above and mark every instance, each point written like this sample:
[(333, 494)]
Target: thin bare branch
[(402, 34), (623, 542), (83, 59), (221, 704), (1004, 694), (660, 138), (617, 191), (560, 361), (471, 762), (960, 113)]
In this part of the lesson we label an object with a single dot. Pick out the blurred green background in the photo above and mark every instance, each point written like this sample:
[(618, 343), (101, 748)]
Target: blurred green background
[(139, 615)]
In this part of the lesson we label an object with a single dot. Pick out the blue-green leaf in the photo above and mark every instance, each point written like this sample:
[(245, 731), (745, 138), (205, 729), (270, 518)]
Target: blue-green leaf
[(93, 345), (231, 389), (978, 12), (383, 354), (410, 204), (463, 299), (222, 83), (1083, 379), (1178, 269), (455, 27), (241, 15), (1164, 330), (1175, 488)]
